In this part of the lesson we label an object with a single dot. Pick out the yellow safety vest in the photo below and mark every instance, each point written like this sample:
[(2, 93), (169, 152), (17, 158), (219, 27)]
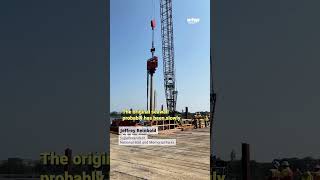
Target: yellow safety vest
[(286, 174), (307, 176), (275, 172)]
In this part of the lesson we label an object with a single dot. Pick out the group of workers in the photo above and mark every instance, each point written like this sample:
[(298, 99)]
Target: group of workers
[(283, 172)]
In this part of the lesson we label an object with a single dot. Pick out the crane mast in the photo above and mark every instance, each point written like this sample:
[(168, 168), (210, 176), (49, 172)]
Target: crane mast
[(168, 54)]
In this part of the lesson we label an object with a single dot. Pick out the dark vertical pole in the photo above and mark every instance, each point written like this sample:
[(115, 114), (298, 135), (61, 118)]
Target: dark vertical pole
[(186, 112), (151, 95), (212, 157), (213, 149), (212, 113), (155, 100), (147, 90), (68, 153), (245, 161)]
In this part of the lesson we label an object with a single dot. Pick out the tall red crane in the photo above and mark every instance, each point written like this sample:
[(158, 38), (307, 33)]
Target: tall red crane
[(167, 56)]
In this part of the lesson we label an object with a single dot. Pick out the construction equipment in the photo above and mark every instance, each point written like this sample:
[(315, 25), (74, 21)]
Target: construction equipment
[(152, 65), (168, 54)]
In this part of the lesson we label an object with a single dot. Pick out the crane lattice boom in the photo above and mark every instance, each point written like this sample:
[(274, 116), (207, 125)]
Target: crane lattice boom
[(168, 54)]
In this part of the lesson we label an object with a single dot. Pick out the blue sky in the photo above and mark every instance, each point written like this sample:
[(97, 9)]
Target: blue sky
[(130, 42)]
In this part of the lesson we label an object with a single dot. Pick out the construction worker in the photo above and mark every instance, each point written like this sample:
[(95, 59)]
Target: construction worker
[(297, 174), (307, 176), (274, 172), (316, 173), (286, 173), (195, 124)]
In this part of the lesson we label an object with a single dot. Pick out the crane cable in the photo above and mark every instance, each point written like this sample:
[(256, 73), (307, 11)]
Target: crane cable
[(153, 9), (152, 18)]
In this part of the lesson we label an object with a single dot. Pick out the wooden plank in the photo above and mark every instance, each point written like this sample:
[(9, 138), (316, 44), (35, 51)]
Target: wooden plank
[(189, 159)]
